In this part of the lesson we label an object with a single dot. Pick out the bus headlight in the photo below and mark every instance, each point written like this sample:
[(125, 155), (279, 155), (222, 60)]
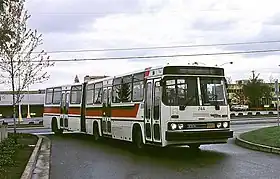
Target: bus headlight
[(219, 124), (225, 124), (180, 126), (173, 126)]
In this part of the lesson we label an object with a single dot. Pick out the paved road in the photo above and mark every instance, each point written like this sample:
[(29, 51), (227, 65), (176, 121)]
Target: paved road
[(75, 156)]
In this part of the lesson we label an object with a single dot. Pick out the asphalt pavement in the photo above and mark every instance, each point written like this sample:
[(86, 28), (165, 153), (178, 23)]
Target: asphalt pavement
[(77, 156)]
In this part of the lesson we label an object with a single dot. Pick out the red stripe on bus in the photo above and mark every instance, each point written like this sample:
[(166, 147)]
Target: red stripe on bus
[(75, 110), (94, 112), (52, 110), (125, 112), (122, 111)]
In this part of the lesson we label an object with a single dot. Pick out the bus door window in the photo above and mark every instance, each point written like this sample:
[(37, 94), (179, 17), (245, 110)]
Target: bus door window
[(157, 101), (148, 101), (147, 110), (109, 100), (104, 101)]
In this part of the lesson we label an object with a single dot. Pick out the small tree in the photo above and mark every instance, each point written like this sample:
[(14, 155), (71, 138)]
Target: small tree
[(20, 66), (256, 89), (240, 97)]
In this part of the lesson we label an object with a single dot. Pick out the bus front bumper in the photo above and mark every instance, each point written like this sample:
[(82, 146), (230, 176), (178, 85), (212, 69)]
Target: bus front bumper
[(197, 135)]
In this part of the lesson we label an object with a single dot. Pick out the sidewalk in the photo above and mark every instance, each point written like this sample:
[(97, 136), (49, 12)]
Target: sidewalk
[(38, 166)]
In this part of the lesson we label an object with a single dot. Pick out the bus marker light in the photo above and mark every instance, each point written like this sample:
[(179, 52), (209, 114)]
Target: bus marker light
[(173, 126)]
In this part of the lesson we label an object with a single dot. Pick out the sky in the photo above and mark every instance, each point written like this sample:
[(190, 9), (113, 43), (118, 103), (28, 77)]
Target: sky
[(106, 24)]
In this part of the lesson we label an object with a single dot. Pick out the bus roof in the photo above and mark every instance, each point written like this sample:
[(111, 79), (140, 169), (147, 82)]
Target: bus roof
[(134, 72)]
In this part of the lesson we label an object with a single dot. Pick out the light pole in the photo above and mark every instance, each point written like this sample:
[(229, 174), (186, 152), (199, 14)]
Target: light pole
[(196, 63), (28, 105), (225, 64), (19, 96), (277, 96)]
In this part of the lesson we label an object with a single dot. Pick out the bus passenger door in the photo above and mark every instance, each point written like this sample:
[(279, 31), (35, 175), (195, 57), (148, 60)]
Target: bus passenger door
[(152, 111), (109, 101), (104, 112), (64, 107), (83, 109), (156, 108), (67, 102), (148, 110)]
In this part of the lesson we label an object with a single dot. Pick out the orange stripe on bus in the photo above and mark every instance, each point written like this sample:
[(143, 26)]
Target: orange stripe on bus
[(74, 110), (52, 110), (125, 112), (94, 112), (122, 111)]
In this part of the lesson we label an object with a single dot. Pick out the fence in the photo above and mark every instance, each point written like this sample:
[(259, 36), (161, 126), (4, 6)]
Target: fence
[(253, 113), (3, 132)]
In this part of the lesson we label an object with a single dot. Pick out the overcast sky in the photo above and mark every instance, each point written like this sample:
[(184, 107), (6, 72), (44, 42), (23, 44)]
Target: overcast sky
[(103, 24)]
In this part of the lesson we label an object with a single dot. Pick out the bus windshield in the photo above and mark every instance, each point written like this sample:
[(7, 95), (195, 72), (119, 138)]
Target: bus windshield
[(212, 91), (178, 91)]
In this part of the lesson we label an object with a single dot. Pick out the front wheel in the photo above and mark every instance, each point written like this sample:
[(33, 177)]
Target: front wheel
[(138, 139)]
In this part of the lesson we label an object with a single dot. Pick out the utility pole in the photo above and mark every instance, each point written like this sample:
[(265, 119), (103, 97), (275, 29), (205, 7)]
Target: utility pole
[(277, 94), (253, 71)]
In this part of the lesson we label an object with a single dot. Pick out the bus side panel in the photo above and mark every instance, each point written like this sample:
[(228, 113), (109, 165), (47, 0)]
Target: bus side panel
[(47, 120), (165, 116), (122, 128), (74, 123), (89, 125)]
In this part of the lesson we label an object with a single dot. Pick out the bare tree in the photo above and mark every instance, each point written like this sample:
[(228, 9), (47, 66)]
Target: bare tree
[(271, 79), (20, 65), (229, 80)]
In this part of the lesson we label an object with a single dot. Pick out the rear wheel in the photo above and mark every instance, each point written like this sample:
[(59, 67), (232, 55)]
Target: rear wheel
[(96, 132), (55, 127)]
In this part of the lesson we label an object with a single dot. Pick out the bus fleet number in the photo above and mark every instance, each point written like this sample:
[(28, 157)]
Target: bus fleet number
[(201, 108)]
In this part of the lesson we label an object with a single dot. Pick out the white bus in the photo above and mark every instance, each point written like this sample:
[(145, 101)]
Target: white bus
[(162, 106)]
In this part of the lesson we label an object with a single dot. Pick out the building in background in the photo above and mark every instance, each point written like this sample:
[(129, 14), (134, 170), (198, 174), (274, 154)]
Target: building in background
[(35, 99)]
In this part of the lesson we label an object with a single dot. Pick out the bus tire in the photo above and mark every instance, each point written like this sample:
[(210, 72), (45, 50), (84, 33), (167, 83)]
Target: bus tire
[(194, 147), (55, 127), (137, 137), (96, 131)]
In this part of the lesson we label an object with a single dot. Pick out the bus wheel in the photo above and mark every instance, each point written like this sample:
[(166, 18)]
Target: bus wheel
[(194, 147), (96, 132), (55, 127), (137, 138)]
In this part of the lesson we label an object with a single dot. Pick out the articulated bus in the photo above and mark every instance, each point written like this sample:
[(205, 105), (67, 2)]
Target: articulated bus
[(161, 106)]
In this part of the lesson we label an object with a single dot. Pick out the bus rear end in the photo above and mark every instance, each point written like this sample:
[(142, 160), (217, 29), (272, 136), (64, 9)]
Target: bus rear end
[(194, 106)]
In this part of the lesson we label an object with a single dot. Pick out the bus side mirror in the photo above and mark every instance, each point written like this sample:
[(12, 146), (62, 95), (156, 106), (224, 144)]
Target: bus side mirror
[(161, 82), (226, 83)]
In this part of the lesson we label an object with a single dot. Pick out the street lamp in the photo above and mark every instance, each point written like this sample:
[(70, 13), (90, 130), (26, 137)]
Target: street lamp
[(225, 63), (196, 63)]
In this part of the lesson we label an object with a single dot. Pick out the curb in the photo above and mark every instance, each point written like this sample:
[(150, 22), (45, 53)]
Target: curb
[(254, 146), (27, 174), (251, 122)]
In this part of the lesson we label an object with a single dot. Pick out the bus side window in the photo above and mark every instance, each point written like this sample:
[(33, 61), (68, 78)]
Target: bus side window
[(49, 96)]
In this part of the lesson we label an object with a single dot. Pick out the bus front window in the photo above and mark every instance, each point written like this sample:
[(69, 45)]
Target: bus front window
[(212, 91), (180, 91)]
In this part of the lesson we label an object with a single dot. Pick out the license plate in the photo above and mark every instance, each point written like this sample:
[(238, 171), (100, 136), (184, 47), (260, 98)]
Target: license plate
[(211, 125)]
